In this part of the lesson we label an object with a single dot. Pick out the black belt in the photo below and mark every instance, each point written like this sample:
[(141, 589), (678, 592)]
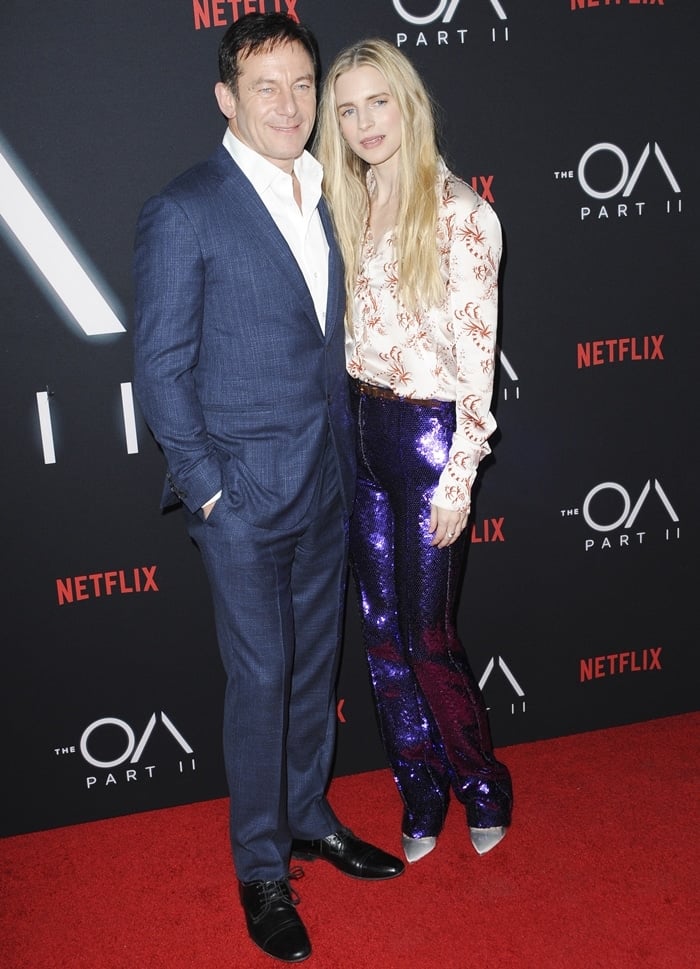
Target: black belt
[(372, 390)]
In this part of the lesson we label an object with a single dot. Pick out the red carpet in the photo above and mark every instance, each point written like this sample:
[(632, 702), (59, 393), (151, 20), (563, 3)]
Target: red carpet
[(599, 871)]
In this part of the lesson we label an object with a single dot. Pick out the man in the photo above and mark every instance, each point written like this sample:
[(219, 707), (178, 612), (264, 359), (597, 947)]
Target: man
[(240, 373)]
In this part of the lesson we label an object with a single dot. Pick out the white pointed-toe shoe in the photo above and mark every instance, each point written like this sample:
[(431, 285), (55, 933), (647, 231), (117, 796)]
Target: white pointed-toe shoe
[(416, 848), (484, 839)]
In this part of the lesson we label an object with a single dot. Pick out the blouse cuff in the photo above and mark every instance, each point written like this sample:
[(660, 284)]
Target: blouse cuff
[(455, 487)]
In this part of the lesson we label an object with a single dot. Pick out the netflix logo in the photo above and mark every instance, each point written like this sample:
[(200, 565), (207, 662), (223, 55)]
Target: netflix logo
[(614, 664), (482, 186), (95, 585), (588, 4), (489, 530), (221, 13), (596, 352)]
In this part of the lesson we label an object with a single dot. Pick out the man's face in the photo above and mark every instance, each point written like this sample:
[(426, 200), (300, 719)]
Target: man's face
[(274, 109)]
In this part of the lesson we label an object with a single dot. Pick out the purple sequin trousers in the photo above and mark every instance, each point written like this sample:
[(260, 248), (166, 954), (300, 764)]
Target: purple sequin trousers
[(431, 713)]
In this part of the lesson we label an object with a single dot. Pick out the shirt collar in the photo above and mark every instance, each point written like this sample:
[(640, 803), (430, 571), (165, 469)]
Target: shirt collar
[(263, 174)]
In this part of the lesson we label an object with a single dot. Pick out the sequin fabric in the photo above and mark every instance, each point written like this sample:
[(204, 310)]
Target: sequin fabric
[(431, 714)]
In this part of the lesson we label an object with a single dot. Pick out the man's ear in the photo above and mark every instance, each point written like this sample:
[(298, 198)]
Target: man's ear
[(225, 99)]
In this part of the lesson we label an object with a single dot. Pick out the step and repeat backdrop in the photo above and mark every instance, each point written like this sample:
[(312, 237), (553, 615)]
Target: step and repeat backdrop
[(577, 120)]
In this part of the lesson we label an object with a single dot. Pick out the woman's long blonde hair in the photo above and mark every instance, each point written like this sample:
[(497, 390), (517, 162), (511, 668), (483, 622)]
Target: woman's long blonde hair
[(420, 283)]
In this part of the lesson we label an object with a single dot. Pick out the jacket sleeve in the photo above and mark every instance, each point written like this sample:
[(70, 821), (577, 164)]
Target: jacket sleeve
[(168, 317)]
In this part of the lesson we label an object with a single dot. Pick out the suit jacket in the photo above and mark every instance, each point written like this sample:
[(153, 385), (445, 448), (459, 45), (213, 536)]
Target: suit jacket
[(234, 375)]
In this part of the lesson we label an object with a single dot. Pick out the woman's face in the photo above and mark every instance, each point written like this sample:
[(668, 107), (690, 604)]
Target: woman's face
[(369, 117)]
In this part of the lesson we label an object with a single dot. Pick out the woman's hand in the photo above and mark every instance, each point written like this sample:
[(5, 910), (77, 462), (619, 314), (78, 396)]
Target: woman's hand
[(446, 526)]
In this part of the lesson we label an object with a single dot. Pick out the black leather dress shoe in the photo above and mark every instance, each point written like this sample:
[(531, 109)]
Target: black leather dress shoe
[(273, 922), (350, 855)]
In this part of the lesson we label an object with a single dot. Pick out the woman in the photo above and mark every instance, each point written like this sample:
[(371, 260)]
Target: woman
[(422, 253)]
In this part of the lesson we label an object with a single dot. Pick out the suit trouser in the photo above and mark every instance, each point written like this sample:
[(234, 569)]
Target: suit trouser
[(278, 602), (431, 712)]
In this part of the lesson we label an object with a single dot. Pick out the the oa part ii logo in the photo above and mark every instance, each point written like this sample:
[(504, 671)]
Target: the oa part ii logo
[(130, 750), (443, 10)]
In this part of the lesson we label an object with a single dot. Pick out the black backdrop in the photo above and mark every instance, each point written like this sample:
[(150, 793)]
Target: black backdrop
[(577, 119)]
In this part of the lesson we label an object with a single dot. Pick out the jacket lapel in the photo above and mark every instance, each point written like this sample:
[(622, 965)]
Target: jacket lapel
[(263, 230)]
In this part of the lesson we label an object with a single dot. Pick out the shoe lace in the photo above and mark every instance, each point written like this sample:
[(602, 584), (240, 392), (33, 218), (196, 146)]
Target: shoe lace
[(294, 875), (281, 889)]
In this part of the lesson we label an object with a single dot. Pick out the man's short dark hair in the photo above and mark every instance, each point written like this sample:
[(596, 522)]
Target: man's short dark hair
[(257, 32)]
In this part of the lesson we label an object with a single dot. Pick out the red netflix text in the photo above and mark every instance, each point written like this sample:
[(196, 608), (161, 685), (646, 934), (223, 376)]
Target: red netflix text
[(596, 352), (635, 661), (121, 582), (489, 530), (482, 185), (585, 4), (221, 13)]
